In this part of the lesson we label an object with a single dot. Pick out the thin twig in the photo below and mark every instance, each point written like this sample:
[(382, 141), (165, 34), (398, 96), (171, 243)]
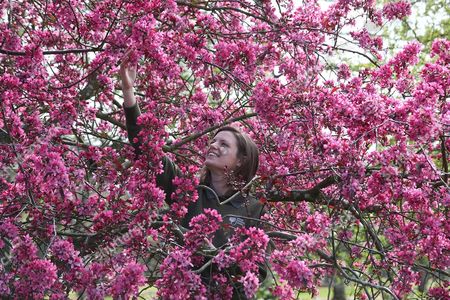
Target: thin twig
[(51, 52)]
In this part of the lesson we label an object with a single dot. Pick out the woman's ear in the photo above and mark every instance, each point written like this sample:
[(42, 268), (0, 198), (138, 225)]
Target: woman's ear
[(240, 161), (238, 164)]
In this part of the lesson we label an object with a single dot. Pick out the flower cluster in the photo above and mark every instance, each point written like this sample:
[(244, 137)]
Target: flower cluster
[(178, 280), (270, 100), (365, 40), (129, 281), (295, 273), (247, 254), (396, 10), (35, 279), (202, 227), (251, 283)]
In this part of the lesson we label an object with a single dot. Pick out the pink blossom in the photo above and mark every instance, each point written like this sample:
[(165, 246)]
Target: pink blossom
[(4, 282), (64, 251), (251, 250), (128, 282), (270, 100), (344, 72), (396, 10), (223, 260), (405, 281), (365, 40), (441, 49), (24, 249), (35, 278), (317, 223), (251, 284), (295, 272), (8, 229), (201, 227), (283, 291), (223, 290), (299, 275), (406, 58), (178, 281), (438, 293)]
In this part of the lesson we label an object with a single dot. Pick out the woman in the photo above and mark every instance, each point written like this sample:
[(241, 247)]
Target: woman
[(230, 151)]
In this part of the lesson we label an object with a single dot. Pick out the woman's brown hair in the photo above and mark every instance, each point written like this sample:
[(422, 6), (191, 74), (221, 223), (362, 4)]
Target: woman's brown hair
[(248, 154)]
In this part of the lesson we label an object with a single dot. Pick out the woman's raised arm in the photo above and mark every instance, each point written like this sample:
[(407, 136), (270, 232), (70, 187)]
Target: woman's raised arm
[(132, 112), (128, 76)]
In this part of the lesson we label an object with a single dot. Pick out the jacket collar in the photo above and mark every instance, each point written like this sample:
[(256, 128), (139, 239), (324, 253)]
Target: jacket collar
[(236, 202)]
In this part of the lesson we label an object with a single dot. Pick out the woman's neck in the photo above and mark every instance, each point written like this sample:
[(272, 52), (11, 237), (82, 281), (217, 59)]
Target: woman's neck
[(219, 182)]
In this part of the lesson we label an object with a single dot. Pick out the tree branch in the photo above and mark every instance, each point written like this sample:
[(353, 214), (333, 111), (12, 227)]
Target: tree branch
[(444, 159), (110, 119), (51, 52), (224, 8), (315, 195), (309, 195), (170, 148)]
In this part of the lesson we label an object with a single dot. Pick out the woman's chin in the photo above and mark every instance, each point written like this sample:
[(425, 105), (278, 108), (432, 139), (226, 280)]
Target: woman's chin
[(209, 164), (212, 165)]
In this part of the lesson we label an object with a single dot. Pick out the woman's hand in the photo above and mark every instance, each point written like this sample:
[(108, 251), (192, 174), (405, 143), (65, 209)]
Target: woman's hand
[(127, 71), (127, 75)]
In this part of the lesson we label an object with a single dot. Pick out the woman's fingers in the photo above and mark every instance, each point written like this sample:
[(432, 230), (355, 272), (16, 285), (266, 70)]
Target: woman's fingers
[(128, 52), (127, 69), (124, 62)]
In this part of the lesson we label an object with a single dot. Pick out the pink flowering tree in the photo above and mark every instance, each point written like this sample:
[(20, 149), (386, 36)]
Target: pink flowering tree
[(354, 161)]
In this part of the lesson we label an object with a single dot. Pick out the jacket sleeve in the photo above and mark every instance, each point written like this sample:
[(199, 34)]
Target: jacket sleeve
[(131, 115), (170, 169), (164, 180)]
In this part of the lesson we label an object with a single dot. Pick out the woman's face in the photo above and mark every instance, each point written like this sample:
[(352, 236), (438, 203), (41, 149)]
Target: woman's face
[(222, 152)]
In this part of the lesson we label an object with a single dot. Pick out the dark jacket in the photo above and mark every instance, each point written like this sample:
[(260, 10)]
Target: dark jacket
[(231, 212)]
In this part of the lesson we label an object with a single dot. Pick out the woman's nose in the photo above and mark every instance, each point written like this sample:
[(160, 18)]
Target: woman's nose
[(213, 146)]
